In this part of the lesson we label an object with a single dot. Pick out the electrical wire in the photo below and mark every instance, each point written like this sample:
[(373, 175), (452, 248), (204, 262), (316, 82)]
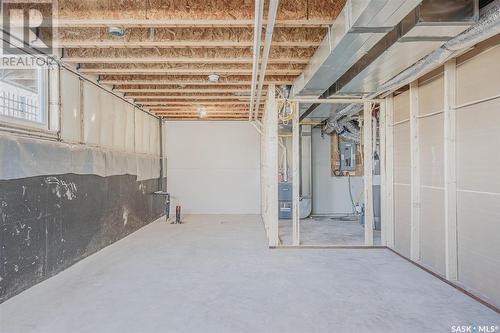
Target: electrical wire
[(350, 194)]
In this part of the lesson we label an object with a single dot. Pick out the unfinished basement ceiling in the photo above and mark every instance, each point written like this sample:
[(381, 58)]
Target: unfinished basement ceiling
[(169, 48)]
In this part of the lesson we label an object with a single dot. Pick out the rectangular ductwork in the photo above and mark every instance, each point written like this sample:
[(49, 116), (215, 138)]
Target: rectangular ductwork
[(360, 25), (385, 38), (426, 28)]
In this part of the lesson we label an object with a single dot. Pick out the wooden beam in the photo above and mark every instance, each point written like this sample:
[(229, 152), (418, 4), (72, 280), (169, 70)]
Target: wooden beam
[(450, 177), (180, 23), (368, 172), (389, 168), (68, 44), (295, 175), (177, 60), (184, 71), (415, 173)]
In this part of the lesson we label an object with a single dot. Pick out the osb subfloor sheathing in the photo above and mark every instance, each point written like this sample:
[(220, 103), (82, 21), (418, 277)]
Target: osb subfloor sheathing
[(216, 274)]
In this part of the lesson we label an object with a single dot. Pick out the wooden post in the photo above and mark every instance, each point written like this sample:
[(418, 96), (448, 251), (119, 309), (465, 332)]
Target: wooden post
[(295, 175), (383, 180), (415, 174), (269, 169), (389, 173), (368, 172), (450, 180), (273, 166)]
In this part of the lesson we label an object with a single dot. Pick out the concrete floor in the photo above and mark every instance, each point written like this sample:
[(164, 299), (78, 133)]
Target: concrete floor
[(325, 230), (215, 274)]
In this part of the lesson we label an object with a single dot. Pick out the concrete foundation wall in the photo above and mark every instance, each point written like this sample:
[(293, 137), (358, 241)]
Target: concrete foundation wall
[(77, 187), (213, 166), (478, 180)]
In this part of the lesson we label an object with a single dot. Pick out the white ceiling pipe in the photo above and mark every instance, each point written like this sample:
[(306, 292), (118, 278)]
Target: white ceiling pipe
[(271, 18), (257, 36)]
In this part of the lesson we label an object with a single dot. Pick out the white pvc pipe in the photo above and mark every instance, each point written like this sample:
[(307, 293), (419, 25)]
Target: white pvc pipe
[(257, 37), (271, 18)]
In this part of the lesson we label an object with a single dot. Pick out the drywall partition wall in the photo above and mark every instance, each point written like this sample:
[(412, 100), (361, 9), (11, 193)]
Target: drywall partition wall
[(213, 166), (330, 194), (61, 201), (478, 177), (468, 254), (402, 171)]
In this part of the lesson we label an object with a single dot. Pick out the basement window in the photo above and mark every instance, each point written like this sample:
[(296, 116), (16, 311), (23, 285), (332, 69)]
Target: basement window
[(23, 96)]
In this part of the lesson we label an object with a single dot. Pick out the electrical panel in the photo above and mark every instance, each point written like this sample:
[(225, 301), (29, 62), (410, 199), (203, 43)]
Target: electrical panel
[(347, 156)]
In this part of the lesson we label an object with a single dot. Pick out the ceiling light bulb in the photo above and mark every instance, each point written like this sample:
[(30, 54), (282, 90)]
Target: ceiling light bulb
[(116, 31), (213, 78), (202, 112)]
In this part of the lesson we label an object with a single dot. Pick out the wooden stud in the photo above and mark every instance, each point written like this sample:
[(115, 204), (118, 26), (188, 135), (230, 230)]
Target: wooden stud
[(415, 173), (270, 168), (389, 172), (368, 172), (295, 175), (450, 178), (383, 175)]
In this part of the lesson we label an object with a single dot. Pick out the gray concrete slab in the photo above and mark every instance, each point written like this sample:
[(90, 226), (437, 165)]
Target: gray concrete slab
[(326, 230), (215, 274)]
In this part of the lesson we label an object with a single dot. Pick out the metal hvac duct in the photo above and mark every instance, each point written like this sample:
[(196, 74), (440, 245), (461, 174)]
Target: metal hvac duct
[(369, 53), (422, 31), (359, 26)]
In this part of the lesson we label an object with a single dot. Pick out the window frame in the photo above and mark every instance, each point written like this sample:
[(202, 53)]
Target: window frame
[(43, 98)]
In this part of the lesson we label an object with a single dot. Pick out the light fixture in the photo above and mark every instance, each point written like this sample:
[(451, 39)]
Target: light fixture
[(213, 78), (116, 31), (202, 111)]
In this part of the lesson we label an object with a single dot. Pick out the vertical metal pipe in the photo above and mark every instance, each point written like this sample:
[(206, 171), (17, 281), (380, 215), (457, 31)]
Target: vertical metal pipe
[(271, 18), (257, 36)]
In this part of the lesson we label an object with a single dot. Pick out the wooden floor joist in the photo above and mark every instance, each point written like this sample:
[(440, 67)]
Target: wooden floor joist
[(176, 71), (173, 23), (150, 81), (160, 91), (159, 104), (167, 50), (179, 60)]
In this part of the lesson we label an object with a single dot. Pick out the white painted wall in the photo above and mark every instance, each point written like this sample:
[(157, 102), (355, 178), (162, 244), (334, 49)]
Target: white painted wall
[(330, 194), (213, 167)]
